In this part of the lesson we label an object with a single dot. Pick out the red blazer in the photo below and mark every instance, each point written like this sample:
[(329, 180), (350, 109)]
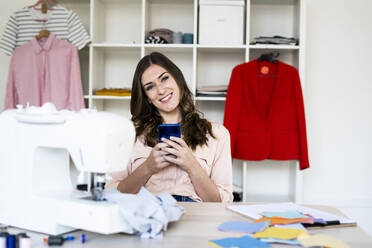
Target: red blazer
[(264, 113)]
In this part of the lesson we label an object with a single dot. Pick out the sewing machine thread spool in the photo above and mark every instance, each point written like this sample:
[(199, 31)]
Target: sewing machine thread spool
[(18, 237), (25, 242), (3, 238), (11, 241)]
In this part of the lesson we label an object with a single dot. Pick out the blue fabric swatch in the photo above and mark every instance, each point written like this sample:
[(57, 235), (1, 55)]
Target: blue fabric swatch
[(281, 241), (295, 226), (241, 242)]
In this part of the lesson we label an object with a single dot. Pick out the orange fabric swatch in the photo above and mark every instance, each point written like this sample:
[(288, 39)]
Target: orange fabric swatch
[(282, 221)]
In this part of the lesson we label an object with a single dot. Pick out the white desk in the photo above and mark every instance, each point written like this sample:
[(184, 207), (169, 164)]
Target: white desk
[(197, 226)]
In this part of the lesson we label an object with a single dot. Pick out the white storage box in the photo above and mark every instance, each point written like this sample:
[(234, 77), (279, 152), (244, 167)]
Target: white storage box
[(221, 22)]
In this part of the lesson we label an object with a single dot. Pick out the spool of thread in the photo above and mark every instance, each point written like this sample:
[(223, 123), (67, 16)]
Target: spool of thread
[(18, 237), (11, 241), (25, 242), (188, 38), (2, 242), (3, 238), (177, 37)]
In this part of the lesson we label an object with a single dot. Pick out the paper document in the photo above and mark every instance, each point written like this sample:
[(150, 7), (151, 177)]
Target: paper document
[(254, 211)]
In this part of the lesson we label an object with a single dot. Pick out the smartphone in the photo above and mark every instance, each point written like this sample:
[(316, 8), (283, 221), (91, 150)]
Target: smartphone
[(168, 130)]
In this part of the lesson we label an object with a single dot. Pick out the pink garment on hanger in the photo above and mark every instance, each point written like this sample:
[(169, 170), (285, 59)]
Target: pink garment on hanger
[(48, 73)]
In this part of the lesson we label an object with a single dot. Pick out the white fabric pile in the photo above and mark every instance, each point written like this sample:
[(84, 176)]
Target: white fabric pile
[(148, 215)]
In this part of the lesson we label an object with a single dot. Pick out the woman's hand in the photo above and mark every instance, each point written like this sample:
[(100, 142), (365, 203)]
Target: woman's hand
[(156, 160), (179, 153)]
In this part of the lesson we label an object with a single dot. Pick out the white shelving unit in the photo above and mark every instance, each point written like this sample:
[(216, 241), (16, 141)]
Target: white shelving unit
[(118, 29)]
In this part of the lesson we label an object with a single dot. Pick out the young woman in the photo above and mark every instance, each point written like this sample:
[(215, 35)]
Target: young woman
[(195, 167)]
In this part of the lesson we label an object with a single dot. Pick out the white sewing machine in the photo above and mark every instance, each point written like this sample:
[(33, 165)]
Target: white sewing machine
[(42, 152)]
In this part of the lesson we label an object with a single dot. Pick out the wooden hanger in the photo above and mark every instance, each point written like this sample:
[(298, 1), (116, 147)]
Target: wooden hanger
[(43, 32), (44, 6)]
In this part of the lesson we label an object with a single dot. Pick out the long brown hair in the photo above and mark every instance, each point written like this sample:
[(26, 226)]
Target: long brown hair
[(146, 117)]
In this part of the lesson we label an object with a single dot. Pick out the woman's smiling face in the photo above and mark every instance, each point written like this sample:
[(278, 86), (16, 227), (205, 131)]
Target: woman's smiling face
[(161, 89)]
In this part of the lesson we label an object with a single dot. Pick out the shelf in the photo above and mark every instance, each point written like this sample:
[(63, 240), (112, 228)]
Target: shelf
[(210, 98), (274, 47), (266, 18), (177, 16), (214, 65), (169, 47), (109, 45), (111, 97), (222, 46), (117, 21), (113, 67)]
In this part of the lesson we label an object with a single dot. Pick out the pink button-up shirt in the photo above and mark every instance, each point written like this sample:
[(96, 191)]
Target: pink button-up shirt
[(215, 159), (45, 73)]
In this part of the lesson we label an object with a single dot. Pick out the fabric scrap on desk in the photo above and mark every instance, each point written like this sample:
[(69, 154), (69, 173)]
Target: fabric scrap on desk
[(321, 240), (240, 242), (291, 214), (295, 226), (279, 233), (283, 221), (244, 227), (281, 241), (145, 213)]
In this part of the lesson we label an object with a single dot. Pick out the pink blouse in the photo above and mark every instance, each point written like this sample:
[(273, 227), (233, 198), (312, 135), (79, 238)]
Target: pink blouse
[(215, 159), (46, 72)]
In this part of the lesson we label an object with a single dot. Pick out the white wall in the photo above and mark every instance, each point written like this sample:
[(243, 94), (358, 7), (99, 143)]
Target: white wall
[(338, 95), (338, 98)]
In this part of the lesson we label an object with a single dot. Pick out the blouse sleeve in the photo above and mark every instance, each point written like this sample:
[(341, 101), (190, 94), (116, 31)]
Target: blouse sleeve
[(77, 34), (221, 173), (8, 41)]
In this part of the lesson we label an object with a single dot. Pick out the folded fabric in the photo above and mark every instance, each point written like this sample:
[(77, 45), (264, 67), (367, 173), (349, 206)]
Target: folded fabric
[(155, 40), (146, 214), (276, 39), (213, 88), (164, 33), (113, 92)]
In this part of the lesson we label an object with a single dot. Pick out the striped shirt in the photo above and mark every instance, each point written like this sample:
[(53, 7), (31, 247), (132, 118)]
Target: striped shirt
[(25, 24)]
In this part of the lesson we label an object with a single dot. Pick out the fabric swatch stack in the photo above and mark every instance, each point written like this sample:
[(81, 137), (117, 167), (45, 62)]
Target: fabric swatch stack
[(275, 227), (276, 39), (113, 92), (212, 91)]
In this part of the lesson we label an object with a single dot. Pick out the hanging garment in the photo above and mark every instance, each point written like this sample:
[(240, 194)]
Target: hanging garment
[(23, 26), (48, 73), (264, 113)]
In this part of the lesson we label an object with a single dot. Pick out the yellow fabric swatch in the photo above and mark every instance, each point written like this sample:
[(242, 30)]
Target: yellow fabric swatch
[(279, 233), (321, 240), (281, 221)]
